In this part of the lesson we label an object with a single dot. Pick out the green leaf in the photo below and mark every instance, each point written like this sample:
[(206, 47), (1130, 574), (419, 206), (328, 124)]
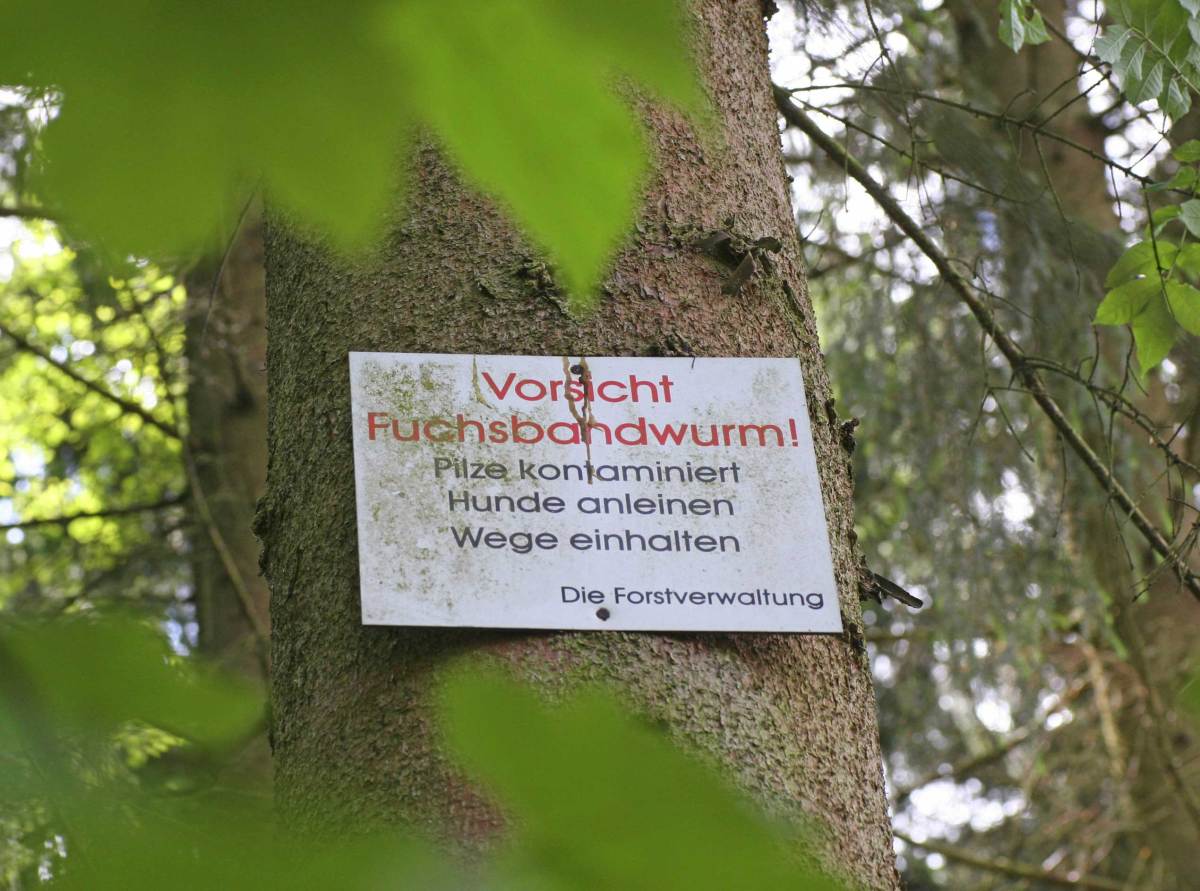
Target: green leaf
[(1012, 25), (1143, 259), (1154, 332), (154, 158), (636, 38), (1148, 87), (1189, 696), (1163, 215), (1193, 27), (1184, 302), (224, 844), (1109, 44), (1189, 151), (1184, 178), (1035, 29), (1188, 259), (1175, 100), (155, 150), (1189, 213), (667, 822), (92, 676), (1122, 304), (1132, 67)]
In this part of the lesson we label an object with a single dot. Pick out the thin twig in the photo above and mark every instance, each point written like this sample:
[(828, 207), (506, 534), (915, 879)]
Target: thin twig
[(129, 510), (1013, 869), (999, 117)]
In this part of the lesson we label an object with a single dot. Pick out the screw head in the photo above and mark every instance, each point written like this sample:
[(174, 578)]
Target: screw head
[(602, 614)]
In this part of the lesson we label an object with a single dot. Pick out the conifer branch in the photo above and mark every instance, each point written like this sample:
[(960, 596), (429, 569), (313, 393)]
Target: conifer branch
[(1022, 368)]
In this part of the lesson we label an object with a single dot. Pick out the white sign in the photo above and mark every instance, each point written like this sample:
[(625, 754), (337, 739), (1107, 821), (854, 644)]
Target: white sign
[(611, 493)]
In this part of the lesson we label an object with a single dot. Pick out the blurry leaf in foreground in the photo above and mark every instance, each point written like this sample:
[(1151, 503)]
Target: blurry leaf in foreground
[(172, 112), (80, 682), (522, 94), (87, 675), (599, 801), (236, 849)]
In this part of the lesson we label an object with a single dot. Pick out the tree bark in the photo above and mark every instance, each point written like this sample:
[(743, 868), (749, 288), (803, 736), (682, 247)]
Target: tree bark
[(790, 719)]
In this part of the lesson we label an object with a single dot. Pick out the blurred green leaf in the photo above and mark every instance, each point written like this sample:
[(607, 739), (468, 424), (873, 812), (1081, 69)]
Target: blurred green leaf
[(522, 95), (1188, 259), (1189, 213), (226, 845), (172, 113), (1035, 29), (92, 676), (1141, 89), (603, 802), (1184, 178), (1163, 215), (1187, 152), (1189, 696), (1012, 25)]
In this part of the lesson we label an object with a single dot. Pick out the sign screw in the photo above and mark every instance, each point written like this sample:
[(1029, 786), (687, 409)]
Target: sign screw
[(602, 614)]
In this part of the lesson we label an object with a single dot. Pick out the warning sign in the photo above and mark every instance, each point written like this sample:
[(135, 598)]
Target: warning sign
[(599, 493)]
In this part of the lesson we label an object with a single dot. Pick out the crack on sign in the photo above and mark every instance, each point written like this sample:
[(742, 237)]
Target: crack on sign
[(585, 419), (479, 397)]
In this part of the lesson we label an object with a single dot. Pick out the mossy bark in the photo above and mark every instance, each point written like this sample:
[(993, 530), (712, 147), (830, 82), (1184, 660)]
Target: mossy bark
[(791, 719)]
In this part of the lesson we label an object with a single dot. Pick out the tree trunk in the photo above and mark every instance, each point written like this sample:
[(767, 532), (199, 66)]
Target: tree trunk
[(791, 719)]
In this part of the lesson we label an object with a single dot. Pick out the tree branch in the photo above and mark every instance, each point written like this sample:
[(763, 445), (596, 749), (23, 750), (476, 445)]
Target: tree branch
[(1005, 867), (998, 117), (124, 404), (1012, 352), (973, 763), (64, 519)]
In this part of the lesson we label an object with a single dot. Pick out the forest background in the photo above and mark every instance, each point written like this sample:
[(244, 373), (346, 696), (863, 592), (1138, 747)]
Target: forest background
[(1034, 714)]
